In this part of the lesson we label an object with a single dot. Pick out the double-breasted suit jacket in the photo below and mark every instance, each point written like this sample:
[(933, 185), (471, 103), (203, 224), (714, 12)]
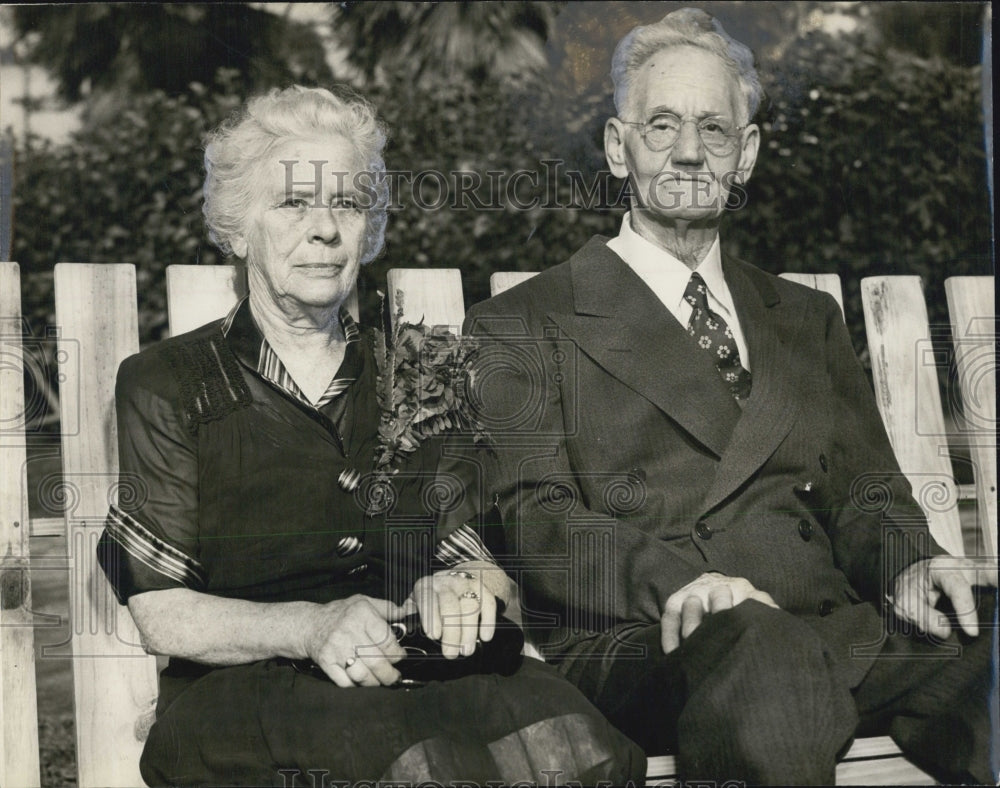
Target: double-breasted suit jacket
[(623, 469)]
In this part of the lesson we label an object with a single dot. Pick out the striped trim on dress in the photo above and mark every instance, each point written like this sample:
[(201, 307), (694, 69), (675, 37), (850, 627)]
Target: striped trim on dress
[(270, 367), (462, 544), (139, 542)]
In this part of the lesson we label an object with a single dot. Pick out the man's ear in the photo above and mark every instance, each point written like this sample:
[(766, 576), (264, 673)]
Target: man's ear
[(749, 150), (614, 147)]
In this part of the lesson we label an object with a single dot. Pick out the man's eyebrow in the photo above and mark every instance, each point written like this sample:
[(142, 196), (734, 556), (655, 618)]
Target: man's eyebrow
[(663, 109)]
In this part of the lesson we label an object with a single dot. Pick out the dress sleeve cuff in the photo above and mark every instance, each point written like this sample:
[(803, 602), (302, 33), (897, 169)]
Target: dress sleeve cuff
[(462, 544), (135, 560)]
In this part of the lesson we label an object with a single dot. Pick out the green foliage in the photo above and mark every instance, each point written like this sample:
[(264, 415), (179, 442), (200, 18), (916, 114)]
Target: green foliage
[(137, 47), (447, 41), (128, 192), (460, 130), (871, 164)]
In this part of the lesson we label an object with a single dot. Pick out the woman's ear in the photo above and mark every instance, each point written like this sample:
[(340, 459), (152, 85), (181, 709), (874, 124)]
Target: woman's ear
[(239, 246)]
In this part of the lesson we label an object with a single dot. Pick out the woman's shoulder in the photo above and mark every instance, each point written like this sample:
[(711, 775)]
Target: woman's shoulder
[(160, 367)]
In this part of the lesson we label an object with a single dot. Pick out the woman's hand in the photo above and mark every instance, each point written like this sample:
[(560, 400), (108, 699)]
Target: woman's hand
[(459, 605), (350, 639)]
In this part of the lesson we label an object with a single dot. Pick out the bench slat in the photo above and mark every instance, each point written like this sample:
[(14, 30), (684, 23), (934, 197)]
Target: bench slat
[(972, 308), (826, 283), (114, 679), (505, 280), (198, 294), (18, 738), (433, 295), (903, 361), (872, 761)]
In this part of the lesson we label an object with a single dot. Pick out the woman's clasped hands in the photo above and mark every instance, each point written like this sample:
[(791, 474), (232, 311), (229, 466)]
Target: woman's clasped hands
[(354, 643)]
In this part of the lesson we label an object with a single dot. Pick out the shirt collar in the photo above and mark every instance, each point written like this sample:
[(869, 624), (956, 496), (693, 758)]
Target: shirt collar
[(254, 351), (661, 271), (241, 330)]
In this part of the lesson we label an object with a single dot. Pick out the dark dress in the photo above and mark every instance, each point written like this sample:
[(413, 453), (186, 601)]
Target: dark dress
[(230, 487)]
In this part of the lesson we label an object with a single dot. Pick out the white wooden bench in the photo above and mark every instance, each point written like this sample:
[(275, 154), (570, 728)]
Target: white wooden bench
[(115, 681)]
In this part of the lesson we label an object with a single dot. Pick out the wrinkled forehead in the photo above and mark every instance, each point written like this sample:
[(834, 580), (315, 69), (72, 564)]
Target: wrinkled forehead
[(323, 164), (686, 80)]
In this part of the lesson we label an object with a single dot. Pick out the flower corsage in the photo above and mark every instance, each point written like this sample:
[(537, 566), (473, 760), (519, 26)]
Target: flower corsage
[(423, 390)]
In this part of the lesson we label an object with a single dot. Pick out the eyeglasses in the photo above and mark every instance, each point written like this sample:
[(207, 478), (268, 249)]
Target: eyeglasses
[(661, 132)]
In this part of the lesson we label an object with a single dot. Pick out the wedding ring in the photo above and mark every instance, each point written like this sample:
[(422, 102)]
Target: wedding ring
[(461, 573), (470, 595), (350, 661)]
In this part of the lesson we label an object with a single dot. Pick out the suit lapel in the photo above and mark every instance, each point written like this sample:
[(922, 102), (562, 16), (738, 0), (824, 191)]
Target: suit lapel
[(625, 329), (773, 333)]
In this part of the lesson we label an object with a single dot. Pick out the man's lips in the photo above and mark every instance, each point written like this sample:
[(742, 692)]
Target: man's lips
[(687, 178)]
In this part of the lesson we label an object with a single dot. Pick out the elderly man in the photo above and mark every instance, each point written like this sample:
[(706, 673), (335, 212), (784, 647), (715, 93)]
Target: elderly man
[(684, 445)]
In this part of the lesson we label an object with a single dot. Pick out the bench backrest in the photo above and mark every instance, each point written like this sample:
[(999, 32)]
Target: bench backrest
[(18, 729), (971, 304), (114, 679), (906, 389), (115, 682)]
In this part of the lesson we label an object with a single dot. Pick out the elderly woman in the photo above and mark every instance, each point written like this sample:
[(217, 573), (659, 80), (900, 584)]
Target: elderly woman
[(245, 555)]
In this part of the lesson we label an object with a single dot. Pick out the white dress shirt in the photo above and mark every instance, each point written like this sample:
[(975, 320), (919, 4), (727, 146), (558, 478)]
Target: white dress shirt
[(668, 278)]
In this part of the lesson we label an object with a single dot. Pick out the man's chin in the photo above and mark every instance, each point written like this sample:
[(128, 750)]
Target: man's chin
[(697, 214)]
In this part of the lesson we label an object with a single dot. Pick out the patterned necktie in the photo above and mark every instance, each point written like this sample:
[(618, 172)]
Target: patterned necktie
[(715, 337)]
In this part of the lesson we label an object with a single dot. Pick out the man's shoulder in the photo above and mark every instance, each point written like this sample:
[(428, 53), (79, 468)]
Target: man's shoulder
[(774, 287), (550, 290)]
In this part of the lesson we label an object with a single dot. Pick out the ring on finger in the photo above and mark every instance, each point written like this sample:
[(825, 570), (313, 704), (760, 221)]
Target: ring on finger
[(462, 574), (350, 661), (470, 595)]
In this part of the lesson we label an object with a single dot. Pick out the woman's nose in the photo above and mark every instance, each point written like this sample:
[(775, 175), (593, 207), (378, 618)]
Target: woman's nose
[(323, 227)]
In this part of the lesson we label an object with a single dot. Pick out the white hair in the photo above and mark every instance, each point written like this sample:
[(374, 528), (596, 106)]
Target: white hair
[(237, 148), (685, 27)]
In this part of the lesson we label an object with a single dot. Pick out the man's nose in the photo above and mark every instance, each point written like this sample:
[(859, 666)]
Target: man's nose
[(688, 149), (323, 227)]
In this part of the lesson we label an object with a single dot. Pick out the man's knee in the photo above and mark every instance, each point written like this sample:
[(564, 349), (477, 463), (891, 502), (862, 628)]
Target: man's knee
[(764, 677), (767, 639)]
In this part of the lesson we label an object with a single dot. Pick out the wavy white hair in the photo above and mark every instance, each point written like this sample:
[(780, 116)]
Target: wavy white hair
[(235, 151), (685, 27)]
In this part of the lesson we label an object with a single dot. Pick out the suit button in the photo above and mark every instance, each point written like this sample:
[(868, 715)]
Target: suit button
[(823, 463), (826, 607), (637, 475), (805, 530), (703, 530)]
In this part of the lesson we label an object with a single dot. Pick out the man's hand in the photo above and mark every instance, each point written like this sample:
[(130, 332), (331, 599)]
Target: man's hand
[(709, 593), (919, 587)]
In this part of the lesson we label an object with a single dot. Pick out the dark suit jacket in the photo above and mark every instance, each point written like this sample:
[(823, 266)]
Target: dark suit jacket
[(623, 469)]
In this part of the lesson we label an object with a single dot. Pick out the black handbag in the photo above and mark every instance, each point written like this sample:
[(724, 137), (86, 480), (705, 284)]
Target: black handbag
[(424, 661)]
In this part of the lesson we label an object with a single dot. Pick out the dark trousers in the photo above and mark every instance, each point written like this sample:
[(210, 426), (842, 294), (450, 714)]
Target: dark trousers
[(754, 694)]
